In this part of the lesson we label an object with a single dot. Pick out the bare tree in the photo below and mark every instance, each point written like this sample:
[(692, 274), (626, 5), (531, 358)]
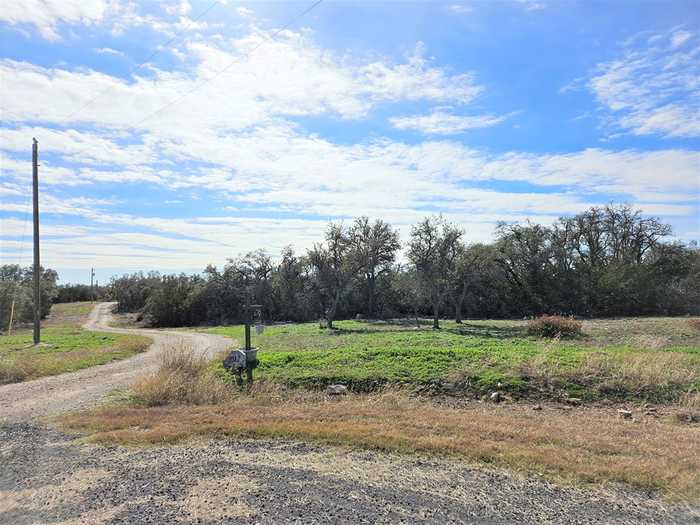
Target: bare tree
[(433, 250), (469, 261), (335, 265), (374, 245)]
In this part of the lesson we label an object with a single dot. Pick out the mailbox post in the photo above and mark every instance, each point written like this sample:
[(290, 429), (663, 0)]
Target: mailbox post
[(246, 357)]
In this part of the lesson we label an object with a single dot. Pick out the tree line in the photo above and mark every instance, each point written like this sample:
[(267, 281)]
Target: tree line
[(605, 261), (17, 294)]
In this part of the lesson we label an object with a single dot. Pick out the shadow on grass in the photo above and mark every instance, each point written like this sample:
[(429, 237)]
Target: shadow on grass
[(409, 325), (490, 331)]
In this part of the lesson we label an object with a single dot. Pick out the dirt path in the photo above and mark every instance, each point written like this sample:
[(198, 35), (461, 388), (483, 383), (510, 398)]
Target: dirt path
[(49, 476), (55, 394)]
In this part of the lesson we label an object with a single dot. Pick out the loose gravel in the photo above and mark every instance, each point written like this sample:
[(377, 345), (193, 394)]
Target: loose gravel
[(50, 477)]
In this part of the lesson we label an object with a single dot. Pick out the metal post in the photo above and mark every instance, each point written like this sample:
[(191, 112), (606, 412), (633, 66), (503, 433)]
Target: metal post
[(247, 329), (37, 290)]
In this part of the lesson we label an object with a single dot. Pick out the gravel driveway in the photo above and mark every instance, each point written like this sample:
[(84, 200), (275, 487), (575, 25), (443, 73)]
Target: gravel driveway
[(49, 476), (54, 394)]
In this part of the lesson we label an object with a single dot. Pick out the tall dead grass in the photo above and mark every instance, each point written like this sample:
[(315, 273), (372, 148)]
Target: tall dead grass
[(183, 378), (660, 375)]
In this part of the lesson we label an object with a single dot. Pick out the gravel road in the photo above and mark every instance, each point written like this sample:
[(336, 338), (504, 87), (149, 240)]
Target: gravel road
[(87, 387), (49, 476)]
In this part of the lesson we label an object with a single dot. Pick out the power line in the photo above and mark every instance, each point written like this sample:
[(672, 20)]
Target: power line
[(148, 58), (24, 230), (231, 64), (19, 258)]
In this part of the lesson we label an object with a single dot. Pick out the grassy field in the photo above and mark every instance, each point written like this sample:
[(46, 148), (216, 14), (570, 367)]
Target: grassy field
[(650, 359), (65, 347), (652, 447)]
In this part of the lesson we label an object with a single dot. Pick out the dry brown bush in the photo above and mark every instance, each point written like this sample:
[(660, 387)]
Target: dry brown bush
[(554, 326), (694, 323), (183, 378)]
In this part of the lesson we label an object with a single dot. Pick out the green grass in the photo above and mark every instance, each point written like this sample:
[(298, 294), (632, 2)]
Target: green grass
[(654, 359), (65, 347)]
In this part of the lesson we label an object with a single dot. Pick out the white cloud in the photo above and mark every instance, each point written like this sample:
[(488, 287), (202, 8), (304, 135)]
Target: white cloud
[(460, 9), (108, 51), (182, 8), (680, 37), (45, 15), (245, 12), (443, 123), (270, 79), (653, 89), (532, 5)]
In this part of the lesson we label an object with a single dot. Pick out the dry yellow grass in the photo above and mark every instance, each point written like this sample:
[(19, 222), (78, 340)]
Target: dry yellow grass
[(182, 378), (584, 444), (608, 372)]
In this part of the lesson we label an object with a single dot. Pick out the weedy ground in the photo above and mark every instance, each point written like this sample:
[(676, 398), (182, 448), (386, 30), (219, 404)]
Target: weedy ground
[(642, 359), (591, 444), (616, 364), (65, 347)]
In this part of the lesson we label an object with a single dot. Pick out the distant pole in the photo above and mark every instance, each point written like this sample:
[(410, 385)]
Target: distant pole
[(12, 315), (92, 286), (37, 291)]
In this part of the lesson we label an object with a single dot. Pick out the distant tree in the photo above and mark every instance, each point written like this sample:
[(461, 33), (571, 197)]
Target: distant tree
[(335, 265), (71, 293), (255, 271), (374, 245), (291, 287), (469, 262), (433, 250), (176, 301), (524, 253), (610, 245), (16, 285), (409, 292), (132, 291)]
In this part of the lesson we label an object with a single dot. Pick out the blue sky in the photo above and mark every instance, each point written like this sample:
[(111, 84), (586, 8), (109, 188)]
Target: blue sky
[(177, 134)]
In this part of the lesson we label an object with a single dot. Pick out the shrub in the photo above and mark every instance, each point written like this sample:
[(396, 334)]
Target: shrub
[(694, 323), (554, 326)]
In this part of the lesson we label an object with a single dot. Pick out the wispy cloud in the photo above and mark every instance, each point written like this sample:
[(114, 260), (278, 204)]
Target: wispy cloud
[(654, 88), (532, 5), (460, 9), (315, 82), (45, 15), (108, 51), (443, 123)]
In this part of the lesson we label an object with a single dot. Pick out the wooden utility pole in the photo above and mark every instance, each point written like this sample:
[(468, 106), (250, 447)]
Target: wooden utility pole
[(37, 289), (92, 285)]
